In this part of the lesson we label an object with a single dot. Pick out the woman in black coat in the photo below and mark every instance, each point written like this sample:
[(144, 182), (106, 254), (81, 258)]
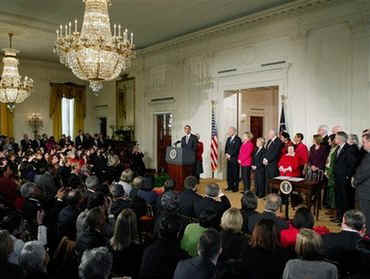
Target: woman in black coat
[(259, 168)]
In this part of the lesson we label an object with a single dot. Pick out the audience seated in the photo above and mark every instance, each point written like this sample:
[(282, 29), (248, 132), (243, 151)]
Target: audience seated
[(203, 266), (98, 221), (272, 205), (96, 264), (264, 257), (303, 219), (125, 245), (310, 263), (249, 205), (189, 198)]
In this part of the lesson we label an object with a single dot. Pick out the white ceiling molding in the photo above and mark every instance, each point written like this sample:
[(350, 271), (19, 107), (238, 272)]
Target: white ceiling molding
[(296, 7)]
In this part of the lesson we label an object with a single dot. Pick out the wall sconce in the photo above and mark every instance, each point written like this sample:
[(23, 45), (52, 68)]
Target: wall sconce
[(35, 122)]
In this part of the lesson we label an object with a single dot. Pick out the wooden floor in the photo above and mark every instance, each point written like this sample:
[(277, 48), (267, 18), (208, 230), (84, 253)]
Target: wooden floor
[(236, 197)]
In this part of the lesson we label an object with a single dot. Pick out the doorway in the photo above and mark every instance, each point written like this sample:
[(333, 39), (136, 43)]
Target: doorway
[(258, 110), (164, 138)]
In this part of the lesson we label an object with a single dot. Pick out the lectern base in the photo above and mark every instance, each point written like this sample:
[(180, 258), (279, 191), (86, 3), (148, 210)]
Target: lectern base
[(178, 174)]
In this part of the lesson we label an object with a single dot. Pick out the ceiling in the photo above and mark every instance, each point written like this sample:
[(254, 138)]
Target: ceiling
[(34, 21)]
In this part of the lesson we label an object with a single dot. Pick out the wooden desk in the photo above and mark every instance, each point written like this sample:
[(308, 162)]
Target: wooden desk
[(310, 189)]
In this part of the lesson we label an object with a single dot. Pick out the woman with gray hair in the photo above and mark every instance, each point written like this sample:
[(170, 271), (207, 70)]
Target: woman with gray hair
[(34, 260), (96, 264)]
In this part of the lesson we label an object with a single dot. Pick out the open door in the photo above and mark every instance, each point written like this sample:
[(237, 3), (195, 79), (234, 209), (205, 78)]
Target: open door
[(164, 138)]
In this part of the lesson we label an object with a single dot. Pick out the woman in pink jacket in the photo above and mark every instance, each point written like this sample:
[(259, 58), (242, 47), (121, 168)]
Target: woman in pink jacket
[(245, 159)]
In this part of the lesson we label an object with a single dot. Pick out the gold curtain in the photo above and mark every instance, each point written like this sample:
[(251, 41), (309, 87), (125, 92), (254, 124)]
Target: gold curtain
[(6, 121), (70, 91)]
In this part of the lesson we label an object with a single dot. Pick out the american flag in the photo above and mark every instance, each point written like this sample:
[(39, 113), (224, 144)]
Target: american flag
[(214, 141)]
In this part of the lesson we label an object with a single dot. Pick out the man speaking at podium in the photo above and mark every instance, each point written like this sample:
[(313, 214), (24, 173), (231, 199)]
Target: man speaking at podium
[(189, 141)]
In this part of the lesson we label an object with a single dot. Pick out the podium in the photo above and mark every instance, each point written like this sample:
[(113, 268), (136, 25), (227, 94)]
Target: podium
[(180, 165)]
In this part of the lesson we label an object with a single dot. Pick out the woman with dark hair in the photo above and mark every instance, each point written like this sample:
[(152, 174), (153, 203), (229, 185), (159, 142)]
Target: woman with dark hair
[(265, 258), (285, 138), (125, 245), (303, 219), (318, 154), (249, 204), (309, 263)]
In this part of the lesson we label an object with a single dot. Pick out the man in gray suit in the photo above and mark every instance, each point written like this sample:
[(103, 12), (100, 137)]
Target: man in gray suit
[(362, 180)]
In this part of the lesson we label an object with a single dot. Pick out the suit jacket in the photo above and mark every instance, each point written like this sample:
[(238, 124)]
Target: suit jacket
[(210, 204), (258, 158), (192, 144), (254, 219), (232, 148), (344, 163), (187, 202), (273, 151), (362, 178), (341, 248), (195, 268)]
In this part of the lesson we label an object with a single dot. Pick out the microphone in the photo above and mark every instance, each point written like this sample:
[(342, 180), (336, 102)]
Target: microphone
[(177, 142)]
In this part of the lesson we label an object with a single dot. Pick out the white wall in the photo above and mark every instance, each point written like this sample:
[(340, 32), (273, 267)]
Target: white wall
[(325, 78), (43, 73)]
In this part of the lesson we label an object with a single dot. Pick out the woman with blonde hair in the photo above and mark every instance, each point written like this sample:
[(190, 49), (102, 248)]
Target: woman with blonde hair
[(309, 263), (233, 241), (245, 159), (125, 245)]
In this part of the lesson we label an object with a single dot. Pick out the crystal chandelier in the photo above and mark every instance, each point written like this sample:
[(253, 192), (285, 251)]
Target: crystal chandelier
[(95, 54), (12, 88)]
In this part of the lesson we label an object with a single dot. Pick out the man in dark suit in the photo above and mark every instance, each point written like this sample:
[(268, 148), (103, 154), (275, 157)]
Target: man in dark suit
[(272, 205), (80, 139), (190, 142), (272, 156), (342, 247), (344, 168), (189, 198), (232, 148), (203, 266), (214, 200), (362, 180)]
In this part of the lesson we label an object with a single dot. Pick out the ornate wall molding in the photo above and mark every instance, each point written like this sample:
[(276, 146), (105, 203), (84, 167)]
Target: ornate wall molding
[(293, 8)]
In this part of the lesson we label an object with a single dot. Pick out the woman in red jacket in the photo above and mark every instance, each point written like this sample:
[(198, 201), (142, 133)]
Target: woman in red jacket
[(289, 165), (245, 159), (199, 158)]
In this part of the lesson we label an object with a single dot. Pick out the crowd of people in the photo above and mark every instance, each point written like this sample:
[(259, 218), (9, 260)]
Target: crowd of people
[(338, 160), (83, 210)]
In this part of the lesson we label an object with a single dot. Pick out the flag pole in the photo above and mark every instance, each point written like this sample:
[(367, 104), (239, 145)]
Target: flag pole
[(212, 111)]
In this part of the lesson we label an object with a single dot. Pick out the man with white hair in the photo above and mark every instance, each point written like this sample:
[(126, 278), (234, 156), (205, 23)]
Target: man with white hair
[(96, 263), (232, 148), (34, 260), (323, 131), (272, 156)]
